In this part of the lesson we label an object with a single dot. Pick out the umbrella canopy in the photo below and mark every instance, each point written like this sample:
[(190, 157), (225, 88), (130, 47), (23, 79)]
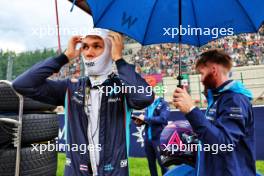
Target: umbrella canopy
[(162, 21), (193, 22)]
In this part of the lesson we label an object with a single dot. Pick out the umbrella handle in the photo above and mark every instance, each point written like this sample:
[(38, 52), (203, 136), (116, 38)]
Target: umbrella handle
[(180, 78)]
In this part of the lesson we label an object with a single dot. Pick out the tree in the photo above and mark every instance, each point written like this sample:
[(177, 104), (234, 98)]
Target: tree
[(22, 61)]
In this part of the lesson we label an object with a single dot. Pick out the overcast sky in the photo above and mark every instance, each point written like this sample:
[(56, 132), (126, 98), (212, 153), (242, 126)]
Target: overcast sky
[(31, 24)]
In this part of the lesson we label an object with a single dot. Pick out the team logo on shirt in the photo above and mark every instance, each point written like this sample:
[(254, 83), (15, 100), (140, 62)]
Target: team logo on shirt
[(108, 167), (83, 167), (90, 64), (68, 162), (140, 135), (123, 163), (112, 100)]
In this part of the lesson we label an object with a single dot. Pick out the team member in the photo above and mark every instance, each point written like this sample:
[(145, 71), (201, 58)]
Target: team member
[(156, 118), (228, 122)]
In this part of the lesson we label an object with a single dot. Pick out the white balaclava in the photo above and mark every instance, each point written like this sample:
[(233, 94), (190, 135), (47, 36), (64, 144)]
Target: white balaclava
[(101, 65)]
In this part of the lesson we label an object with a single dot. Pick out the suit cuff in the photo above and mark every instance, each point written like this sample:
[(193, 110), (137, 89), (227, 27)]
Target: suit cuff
[(147, 120), (62, 59), (196, 118)]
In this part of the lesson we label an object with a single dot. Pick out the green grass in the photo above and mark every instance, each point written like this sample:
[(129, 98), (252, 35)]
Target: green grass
[(61, 162), (138, 166), (260, 167)]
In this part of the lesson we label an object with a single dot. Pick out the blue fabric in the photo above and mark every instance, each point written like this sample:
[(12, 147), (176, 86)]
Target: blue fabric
[(198, 160), (128, 120), (234, 86), (35, 84), (157, 121), (66, 117), (210, 98), (181, 170), (150, 112), (228, 120), (238, 87), (145, 21)]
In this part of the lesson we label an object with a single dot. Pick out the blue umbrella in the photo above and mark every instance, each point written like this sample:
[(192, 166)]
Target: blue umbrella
[(147, 20), (193, 22)]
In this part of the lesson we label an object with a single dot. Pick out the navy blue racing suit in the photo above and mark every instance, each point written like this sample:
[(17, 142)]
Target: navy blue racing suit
[(114, 112)]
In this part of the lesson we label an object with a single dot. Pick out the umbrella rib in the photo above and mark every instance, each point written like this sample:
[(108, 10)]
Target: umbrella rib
[(104, 12), (246, 14), (195, 19), (152, 10)]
